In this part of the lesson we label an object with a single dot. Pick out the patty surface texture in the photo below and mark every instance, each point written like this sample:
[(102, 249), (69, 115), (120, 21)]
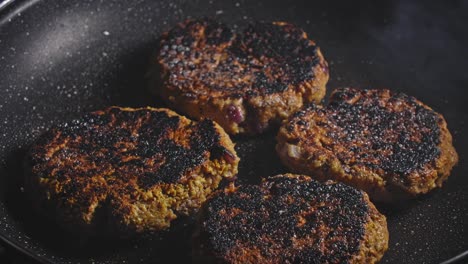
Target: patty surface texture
[(290, 219), (244, 81), (127, 170), (389, 144)]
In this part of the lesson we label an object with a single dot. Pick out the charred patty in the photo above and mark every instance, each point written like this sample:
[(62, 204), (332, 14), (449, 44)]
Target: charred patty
[(290, 219), (128, 170), (244, 81), (388, 144)]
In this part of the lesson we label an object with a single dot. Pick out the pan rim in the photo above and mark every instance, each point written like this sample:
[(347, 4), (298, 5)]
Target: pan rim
[(11, 8), (9, 242), (5, 3)]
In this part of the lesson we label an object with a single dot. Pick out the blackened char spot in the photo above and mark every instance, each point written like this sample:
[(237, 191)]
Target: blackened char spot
[(408, 154), (178, 159), (217, 33), (265, 58), (268, 85), (285, 47), (267, 216), (271, 40), (397, 139), (129, 145)]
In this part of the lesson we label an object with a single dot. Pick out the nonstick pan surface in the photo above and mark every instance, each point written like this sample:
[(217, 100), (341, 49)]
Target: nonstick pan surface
[(60, 59)]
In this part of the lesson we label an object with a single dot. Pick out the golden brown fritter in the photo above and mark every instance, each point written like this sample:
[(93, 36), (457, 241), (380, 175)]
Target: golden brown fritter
[(290, 219), (126, 170), (388, 144), (244, 81)]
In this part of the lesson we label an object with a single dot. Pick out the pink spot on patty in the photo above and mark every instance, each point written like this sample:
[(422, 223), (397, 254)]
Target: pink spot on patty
[(229, 157), (324, 67), (235, 114)]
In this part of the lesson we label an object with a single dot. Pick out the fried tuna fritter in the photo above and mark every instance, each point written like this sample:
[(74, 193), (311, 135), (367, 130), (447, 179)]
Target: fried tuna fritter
[(244, 81), (128, 170), (388, 144), (290, 219)]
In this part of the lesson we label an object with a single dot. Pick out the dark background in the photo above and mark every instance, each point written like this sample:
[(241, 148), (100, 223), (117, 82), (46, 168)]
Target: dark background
[(59, 59)]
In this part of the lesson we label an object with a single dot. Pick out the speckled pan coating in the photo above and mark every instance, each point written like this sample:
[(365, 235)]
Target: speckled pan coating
[(244, 81), (388, 144), (290, 219), (60, 59), (130, 170)]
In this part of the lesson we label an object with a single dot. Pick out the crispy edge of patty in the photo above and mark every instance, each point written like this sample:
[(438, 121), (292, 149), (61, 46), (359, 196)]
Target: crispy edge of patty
[(372, 247), (376, 236), (155, 208), (262, 110), (377, 186)]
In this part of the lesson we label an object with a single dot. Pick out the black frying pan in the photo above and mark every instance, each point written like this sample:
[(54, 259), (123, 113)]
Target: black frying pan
[(59, 59)]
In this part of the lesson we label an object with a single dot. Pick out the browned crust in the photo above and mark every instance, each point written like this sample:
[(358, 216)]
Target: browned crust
[(412, 158), (229, 82), (290, 219), (109, 170)]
